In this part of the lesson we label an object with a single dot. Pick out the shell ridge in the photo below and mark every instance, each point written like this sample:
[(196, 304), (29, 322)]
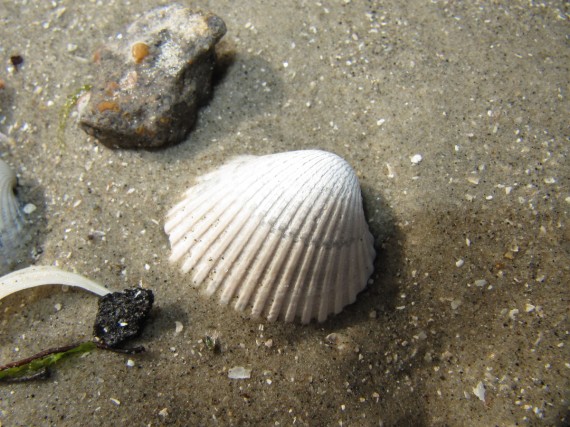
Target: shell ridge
[(307, 309), (281, 204), (178, 223), (328, 289), (292, 303), (200, 216), (296, 227), (236, 276), (259, 266), (322, 198), (220, 245), (231, 257), (257, 271), (360, 274), (208, 230), (206, 186), (289, 284), (266, 288), (328, 285), (196, 210), (320, 227), (342, 291), (11, 217), (252, 192), (275, 289)]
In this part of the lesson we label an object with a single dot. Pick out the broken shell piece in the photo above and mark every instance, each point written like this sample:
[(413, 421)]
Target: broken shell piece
[(284, 234), (11, 218), (239, 373), (46, 275), (152, 81)]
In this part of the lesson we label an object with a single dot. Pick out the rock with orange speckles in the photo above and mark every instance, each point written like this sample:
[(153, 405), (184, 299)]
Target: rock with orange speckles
[(151, 82)]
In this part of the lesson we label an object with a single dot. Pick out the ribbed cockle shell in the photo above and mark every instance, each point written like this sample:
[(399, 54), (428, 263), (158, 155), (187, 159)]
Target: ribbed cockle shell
[(11, 218), (284, 234)]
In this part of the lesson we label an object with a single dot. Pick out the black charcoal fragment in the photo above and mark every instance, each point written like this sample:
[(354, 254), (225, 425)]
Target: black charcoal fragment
[(122, 315)]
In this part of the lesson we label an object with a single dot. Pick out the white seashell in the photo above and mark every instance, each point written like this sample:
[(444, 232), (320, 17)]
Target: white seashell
[(11, 217), (283, 233)]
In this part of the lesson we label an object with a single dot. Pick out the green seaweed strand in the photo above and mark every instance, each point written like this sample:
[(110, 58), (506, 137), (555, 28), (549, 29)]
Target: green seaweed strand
[(69, 104), (39, 363)]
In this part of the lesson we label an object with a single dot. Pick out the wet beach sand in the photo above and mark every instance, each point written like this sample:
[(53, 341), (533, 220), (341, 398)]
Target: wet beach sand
[(454, 116)]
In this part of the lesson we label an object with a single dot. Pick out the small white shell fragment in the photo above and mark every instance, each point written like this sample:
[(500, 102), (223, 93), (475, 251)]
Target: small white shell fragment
[(416, 159), (340, 341), (284, 234), (178, 327), (480, 282), (239, 373), (459, 263), (29, 208), (473, 180), (513, 313), (130, 363), (479, 391)]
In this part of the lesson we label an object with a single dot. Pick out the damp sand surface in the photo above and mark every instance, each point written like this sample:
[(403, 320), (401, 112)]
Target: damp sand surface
[(454, 116)]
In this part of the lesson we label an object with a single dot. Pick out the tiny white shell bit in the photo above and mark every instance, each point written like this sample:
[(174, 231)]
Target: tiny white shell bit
[(284, 234), (11, 217)]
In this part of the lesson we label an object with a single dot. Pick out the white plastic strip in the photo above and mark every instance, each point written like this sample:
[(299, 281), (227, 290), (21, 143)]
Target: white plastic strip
[(46, 275)]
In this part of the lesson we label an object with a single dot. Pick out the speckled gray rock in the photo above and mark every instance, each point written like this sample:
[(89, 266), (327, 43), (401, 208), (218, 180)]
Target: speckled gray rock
[(151, 82)]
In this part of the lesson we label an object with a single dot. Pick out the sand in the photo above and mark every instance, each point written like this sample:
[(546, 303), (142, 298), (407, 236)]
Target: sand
[(454, 116)]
